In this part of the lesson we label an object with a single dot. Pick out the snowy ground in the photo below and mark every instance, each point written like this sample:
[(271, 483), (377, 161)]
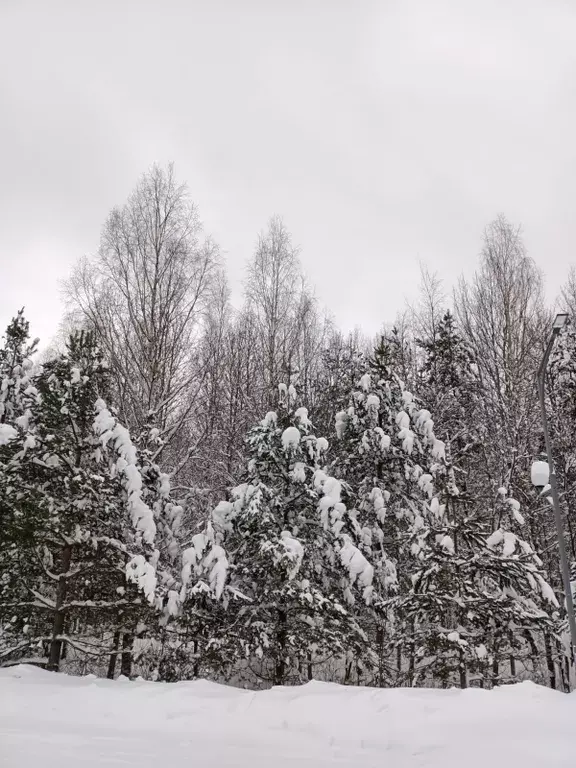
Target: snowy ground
[(56, 721)]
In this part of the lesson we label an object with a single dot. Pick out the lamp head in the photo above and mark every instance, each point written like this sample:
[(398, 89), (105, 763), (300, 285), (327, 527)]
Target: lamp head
[(540, 473), (559, 321)]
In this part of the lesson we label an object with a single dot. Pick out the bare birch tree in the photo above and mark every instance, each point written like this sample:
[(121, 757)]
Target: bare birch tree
[(503, 316), (428, 310), (145, 294), (568, 292), (290, 328)]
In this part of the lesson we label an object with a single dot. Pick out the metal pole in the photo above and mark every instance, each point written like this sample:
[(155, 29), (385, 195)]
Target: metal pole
[(564, 565)]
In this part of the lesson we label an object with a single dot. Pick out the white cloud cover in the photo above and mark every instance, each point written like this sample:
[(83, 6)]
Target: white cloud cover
[(383, 132)]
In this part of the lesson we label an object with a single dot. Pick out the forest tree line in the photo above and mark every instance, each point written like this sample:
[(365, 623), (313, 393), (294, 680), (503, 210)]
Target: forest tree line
[(189, 488)]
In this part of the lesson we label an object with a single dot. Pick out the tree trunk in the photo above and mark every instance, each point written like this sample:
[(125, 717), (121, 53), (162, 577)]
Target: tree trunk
[(113, 656), (463, 671), (550, 661), (196, 668), (512, 657), (569, 517), (535, 657), (380, 645), (565, 666), (280, 671), (411, 657), (347, 672), (59, 615), (495, 670), (126, 663)]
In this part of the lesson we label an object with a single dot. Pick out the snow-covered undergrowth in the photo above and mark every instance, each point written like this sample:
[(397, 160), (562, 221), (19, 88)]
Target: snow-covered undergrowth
[(64, 722)]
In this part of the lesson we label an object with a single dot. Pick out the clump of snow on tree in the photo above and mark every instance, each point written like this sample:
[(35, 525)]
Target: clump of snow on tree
[(143, 574), (290, 438), (383, 439), (448, 544), (341, 418), (294, 551), (366, 382), (270, 420), (373, 401), (301, 415), (515, 505), (402, 419), (407, 437), (358, 567), (7, 434), (299, 472)]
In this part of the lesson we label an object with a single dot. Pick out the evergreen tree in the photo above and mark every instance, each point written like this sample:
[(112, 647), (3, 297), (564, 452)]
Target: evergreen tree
[(16, 389), (478, 599), (15, 367), (84, 533), (343, 363), (293, 555), (451, 388), (388, 455)]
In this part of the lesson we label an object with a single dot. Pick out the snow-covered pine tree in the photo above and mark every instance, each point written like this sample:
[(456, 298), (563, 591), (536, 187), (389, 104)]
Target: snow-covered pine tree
[(396, 351), (15, 367), (386, 442), (522, 604), (450, 386), (388, 454), (16, 370), (479, 598), (451, 389), (449, 530), (451, 583), (294, 562), (73, 485), (343, 363), (199, 609), (435, 608), (171, 643), (160, 646)]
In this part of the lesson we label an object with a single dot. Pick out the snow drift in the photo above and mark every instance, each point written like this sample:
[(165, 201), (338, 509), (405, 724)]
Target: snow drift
[(65, 722)]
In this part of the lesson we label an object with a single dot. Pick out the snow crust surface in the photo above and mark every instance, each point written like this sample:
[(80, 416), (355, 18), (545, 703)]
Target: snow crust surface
[(55, 721)]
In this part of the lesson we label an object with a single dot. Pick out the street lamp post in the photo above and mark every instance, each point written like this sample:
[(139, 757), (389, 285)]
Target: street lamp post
[(557, 326)]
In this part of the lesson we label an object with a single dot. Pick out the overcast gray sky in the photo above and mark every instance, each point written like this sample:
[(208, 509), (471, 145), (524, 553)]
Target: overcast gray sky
[(385, 133)]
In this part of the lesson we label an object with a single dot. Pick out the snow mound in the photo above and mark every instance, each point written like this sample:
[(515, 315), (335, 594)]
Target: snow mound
[(65, 722)]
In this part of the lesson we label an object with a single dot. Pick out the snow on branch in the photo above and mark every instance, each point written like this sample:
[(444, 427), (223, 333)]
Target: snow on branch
[(205, 558), (7, 434), (109, 430), (359, 569), (142, 573), (290, 438)]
